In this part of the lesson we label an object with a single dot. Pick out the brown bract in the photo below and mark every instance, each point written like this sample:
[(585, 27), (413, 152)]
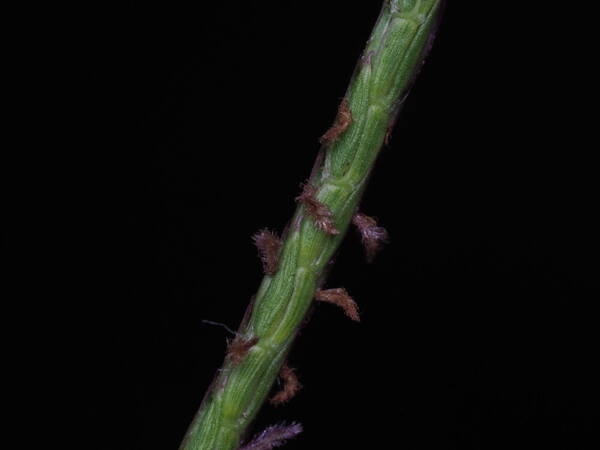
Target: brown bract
[(239, 348), (268, 245), (341, 123), (321, 214), (291, 386), (372, 236), (341, 298)]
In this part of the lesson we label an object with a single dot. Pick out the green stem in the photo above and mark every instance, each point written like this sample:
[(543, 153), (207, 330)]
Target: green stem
[(380, 83)]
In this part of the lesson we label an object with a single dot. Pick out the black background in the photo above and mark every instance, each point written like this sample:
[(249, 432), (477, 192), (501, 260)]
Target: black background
[(198, 123)]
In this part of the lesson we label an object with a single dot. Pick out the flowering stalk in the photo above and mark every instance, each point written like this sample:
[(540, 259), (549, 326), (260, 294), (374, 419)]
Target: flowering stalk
[(294, 266)]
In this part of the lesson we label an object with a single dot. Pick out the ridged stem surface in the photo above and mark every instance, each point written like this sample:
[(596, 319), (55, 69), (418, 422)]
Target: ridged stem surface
[(383, 76)]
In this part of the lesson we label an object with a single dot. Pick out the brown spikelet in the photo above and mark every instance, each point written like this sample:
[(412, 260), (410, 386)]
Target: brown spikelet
[(268, 245), (239, 348), (291, 386), (321, 214), (341, 123), (273, 436), (341, 298), (372, 236)]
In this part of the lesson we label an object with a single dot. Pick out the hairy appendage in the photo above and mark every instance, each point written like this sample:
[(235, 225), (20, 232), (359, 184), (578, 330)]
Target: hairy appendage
[(341, 298), (239, 348), (291, 386), (273, 436), (268, 245), (372, 236), (320, 213), (341, 123)]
